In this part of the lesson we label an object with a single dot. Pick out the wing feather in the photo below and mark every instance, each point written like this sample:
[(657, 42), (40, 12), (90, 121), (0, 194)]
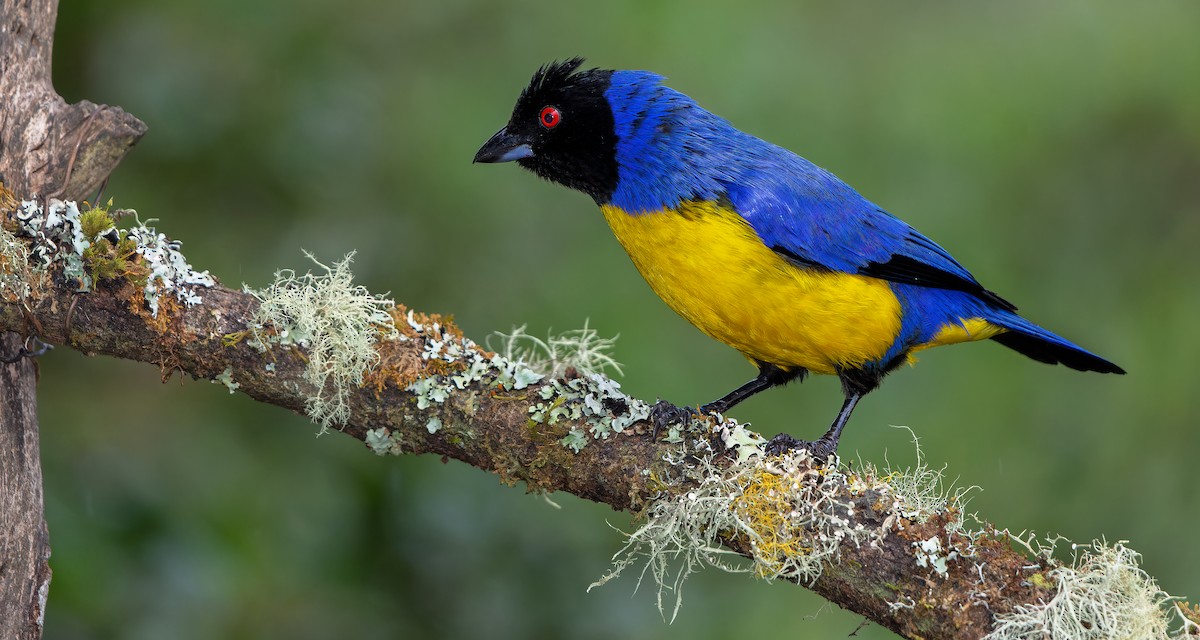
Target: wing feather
[(815, 220)]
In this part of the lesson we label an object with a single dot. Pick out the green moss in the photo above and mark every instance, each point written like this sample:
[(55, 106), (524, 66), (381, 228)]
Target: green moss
[(95, 221), (104, 260)]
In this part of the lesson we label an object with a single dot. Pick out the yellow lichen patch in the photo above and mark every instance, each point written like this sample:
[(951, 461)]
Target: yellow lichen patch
[(764, 506), (1039, 580), (789, 510), (235, 338)]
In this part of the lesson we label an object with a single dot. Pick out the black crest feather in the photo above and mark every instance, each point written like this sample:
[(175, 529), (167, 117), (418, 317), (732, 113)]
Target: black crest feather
[(554, 75)]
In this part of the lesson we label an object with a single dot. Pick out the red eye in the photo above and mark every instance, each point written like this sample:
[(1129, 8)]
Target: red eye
[(550, 117)]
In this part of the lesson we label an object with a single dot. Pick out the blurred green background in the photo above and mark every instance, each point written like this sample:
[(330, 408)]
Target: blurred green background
[(1053, 147)]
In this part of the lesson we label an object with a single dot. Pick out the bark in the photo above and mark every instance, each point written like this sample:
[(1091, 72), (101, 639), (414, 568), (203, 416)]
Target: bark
[(24, 542), (490, 428), (50, 149)]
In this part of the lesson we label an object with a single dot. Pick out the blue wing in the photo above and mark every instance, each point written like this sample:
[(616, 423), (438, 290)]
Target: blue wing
[(815, 220)]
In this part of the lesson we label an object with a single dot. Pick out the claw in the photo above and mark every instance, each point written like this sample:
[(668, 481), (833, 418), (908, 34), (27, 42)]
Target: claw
[(664, 414), (820, 449)]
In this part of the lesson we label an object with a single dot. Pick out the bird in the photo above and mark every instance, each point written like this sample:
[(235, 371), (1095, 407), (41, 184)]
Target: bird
[(756, 246)]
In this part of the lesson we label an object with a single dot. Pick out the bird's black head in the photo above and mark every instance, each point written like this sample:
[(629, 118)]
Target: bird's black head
[(562, 130)]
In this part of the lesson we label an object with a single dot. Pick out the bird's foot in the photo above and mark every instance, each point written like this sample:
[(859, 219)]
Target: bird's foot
[(664, 414), (820, 449)]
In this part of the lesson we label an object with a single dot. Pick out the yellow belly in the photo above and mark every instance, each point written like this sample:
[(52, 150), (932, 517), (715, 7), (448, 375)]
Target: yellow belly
[(965, 330), (709, 266)]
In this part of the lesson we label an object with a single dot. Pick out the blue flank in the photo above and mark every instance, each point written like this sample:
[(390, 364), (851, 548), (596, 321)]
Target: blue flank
[(669, 149)]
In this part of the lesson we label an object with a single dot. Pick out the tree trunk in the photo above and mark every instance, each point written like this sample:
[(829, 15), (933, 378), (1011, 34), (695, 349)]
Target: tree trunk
[(48, 149), (24, 541)]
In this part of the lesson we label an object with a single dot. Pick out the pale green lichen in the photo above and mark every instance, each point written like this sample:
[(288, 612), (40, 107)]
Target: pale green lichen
[(429, 391), (226, 378), (795, 525), (1103, 594), (736, 437), (917, 493), (337, 323), (920, 491), (523, 362), (382, 442), (449, 347), (931, 555), (795, 515), (580, 349), (170, 272), (14, 267), (575, 440), (433, 425), (59, 239), (593, 398)]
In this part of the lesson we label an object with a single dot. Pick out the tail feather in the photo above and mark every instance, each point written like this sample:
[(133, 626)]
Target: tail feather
[(1031, 340)]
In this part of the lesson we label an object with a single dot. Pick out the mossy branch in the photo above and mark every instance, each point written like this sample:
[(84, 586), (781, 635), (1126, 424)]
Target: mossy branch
[(891, 547)]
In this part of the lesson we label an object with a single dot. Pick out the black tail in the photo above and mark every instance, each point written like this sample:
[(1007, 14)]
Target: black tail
[(1055, 353), (1026, 337)]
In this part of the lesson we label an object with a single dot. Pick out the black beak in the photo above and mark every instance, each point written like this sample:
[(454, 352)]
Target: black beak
[(503, 147)]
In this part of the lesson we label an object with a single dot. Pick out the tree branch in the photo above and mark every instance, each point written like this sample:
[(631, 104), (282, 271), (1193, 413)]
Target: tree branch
[(433, 391)]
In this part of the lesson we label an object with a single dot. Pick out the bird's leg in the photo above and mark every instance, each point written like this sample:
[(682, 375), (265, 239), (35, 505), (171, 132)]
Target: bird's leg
[(768, 376), (822, 447), (855, 384), (664, 413)]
